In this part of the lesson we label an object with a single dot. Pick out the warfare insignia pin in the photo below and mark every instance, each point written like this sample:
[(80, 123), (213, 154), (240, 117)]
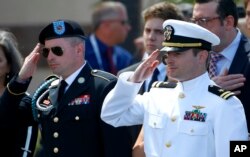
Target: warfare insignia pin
[(81, 80), (168, 31), (196, 114), (59, 27)]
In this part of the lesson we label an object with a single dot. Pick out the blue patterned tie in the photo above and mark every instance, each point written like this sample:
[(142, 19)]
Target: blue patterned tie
[(215, 57)]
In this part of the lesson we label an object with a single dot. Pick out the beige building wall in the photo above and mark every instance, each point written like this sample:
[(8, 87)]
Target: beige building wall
[(36, 12), (25, 18)]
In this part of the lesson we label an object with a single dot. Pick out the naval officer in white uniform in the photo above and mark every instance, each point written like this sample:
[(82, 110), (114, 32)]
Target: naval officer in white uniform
[(192, 117)]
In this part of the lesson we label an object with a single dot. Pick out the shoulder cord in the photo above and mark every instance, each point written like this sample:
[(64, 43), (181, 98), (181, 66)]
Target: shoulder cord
[(37, 94)]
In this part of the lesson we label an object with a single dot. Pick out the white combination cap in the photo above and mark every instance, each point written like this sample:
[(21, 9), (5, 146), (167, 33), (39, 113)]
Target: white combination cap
[(181, 35)]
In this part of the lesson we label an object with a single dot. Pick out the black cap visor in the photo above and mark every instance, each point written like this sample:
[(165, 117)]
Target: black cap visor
[(174, 49)]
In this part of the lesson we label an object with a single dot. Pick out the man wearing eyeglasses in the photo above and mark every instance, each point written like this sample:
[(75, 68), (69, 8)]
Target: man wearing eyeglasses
[(232, 68), (67, 105), (110, 27)]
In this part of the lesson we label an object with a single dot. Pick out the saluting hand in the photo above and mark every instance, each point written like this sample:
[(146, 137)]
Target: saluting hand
[(30, 64), (146, 68)]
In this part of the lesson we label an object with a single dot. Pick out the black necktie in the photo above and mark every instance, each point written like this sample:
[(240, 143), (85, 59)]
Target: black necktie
[(61, 90), (154, 78)]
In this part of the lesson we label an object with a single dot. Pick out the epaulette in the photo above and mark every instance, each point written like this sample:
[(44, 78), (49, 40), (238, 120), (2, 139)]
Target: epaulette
[(103, 74), (224, 94), (48, 83), (161, 84)]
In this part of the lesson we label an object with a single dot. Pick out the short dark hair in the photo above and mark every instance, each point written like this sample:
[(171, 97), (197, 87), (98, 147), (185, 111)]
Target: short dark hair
[(224, 8)]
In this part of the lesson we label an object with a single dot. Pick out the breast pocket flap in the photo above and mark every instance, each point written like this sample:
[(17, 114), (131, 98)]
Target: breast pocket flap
[(193, 128), (156, 121)]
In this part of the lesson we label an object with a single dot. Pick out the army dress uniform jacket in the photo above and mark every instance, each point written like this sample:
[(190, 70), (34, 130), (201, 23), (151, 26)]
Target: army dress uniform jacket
[(191, 118), (73, 127)]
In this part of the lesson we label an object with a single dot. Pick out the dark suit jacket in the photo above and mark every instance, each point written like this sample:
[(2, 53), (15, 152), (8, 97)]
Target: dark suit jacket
[(135, 130), (16, 140), (241, 64), (75, 128)]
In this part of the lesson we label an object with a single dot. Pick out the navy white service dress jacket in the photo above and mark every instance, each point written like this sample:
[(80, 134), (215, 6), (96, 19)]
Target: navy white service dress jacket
[(191, 118)]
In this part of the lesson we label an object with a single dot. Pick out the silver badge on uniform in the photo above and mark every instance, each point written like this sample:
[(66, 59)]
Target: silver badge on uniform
[(59, 27), (168, 31)]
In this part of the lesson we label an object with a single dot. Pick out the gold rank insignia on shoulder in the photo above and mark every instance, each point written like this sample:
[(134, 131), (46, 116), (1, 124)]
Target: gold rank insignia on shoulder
[(161, 84), (220, 92)]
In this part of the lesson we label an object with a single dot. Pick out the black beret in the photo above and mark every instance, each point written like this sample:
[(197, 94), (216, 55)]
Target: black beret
[(60, 29)]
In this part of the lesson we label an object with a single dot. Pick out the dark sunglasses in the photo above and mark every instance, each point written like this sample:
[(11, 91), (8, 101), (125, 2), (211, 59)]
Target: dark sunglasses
[(55, 50)]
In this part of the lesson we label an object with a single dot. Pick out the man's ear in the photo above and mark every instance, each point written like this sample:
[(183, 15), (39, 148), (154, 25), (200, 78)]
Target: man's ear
[(229, 22), (203, 55), (80, 48)]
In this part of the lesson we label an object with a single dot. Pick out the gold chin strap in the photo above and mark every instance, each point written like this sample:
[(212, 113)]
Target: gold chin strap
[(182, 44)]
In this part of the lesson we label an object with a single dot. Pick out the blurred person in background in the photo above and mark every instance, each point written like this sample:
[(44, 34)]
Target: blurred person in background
[(247, 10), (110, 28), (140, 49), (16, 141), (229, 65)]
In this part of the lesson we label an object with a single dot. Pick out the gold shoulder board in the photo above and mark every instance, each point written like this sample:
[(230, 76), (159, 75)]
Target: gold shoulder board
[(220, 92)]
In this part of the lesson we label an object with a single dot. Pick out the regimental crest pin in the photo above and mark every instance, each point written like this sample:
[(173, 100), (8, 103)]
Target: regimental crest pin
[(196, 114), (59, 27), (168, 32), (81, 80)]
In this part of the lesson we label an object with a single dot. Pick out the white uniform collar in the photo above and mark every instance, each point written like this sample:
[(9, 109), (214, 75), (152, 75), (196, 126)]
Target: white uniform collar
[(195, 83)]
